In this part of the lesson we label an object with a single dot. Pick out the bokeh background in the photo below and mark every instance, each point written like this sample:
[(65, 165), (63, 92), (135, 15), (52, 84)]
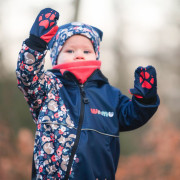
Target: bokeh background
[(136, 33)]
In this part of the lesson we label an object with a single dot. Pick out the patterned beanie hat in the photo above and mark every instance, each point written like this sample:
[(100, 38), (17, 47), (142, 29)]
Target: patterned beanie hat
[(66, 31)]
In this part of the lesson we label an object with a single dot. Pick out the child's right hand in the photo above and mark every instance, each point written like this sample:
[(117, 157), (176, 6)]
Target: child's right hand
[(45, 25)]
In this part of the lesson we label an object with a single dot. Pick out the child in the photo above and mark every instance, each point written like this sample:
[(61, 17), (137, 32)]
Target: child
[(78, 114)]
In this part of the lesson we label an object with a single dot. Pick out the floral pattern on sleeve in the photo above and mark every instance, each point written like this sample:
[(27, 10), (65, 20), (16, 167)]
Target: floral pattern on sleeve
[(55, 131)]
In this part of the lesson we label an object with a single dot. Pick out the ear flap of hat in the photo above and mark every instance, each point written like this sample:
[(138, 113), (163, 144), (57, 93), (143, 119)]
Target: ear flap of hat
[(50, 44), (100, 33)]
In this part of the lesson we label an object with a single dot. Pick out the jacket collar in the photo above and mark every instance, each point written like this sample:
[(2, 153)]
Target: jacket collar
[(69, 78)]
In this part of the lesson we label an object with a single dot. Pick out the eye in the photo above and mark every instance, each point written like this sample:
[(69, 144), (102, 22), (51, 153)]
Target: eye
[(86, 52), (69, 51)]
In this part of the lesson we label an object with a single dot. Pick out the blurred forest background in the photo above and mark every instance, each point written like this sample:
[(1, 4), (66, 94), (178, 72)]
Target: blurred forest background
[(136, 33)]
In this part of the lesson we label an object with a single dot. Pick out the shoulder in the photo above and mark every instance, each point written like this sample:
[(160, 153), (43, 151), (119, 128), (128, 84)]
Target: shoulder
[(51, 77)]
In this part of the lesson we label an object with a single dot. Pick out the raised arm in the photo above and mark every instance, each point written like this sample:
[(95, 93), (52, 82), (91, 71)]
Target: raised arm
[(32, 80), (145, 101)]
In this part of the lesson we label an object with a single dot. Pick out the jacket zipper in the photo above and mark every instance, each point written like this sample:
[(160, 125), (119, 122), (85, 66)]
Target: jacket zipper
[(84, 101)]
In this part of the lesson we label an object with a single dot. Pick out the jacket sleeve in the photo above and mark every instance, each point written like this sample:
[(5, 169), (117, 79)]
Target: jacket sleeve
[(133, 114), (31, 79)]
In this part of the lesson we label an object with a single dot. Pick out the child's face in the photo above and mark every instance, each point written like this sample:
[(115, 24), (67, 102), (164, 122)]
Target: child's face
[(76, 48)]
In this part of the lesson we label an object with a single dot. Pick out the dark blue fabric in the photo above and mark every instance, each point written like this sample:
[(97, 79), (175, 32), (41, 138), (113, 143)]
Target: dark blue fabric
[(36, 43), (38, 30), (99, 149), (145, 83)]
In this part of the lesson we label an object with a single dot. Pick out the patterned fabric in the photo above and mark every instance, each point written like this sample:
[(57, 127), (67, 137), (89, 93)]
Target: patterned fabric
[(66, 31), (55, 132)]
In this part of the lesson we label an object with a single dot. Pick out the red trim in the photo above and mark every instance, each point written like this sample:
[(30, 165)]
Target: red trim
[(136, 95), (81, 69)]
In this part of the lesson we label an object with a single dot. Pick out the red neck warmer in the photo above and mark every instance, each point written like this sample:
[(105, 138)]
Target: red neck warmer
[(81, 69)]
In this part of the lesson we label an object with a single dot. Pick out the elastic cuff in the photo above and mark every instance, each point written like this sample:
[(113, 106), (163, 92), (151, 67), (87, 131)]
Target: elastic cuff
[(36, 43), (149, 101)]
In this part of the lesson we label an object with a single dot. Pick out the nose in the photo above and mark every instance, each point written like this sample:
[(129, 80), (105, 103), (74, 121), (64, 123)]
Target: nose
[(79, 56)]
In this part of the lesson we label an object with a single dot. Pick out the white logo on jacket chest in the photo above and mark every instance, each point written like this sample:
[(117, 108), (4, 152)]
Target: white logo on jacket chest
[(103, 113)]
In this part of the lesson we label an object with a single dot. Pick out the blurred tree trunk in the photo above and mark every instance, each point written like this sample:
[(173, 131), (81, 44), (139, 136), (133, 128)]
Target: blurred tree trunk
[(1, 61), (1, 65), (76, 5), (119, 51)]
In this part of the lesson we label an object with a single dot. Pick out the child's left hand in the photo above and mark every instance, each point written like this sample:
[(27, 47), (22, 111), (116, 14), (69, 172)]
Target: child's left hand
[(145, 83)]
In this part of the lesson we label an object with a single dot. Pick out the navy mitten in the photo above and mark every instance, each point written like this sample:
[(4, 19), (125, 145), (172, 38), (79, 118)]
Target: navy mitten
[(43, 29), (45, 25), (145, 83)]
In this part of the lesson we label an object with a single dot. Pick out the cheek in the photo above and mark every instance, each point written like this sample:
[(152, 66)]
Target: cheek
[(62, 58), (58, 59), (93, 57)]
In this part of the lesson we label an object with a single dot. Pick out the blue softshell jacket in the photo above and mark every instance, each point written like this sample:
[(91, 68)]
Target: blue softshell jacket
[(77, 125)]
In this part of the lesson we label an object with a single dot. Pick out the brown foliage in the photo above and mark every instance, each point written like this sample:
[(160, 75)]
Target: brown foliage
[(162, 158), (15, 154)]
